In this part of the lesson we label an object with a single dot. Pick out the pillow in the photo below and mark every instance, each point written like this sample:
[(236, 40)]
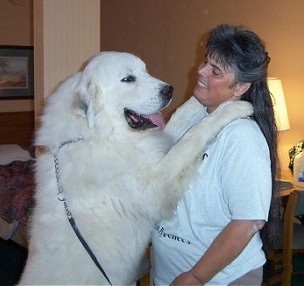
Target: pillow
[(13, 152)]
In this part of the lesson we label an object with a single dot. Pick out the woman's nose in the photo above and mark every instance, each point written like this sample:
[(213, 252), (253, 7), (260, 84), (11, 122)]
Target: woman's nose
[(202, 69)]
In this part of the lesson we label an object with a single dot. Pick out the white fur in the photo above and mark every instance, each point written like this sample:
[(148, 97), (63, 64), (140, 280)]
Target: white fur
[(117, 181)]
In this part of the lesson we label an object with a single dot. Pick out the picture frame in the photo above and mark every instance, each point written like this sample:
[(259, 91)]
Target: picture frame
[(16, 72)]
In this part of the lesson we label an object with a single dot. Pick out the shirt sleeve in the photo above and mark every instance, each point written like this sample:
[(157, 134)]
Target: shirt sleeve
[(245, 171)]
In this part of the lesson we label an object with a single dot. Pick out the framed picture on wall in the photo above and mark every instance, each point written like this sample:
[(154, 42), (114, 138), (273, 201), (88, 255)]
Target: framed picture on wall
[(16, 72)]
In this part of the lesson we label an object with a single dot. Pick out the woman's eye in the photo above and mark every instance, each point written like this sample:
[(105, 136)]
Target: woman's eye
[(129, 78)]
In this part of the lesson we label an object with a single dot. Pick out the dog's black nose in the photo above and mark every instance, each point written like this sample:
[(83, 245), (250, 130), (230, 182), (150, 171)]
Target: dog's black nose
[(167, 91)]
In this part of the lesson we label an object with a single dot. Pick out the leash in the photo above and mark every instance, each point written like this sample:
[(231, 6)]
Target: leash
[(61, 197)]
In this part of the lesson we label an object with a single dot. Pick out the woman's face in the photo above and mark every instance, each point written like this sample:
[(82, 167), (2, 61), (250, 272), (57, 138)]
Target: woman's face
[(214, 84)]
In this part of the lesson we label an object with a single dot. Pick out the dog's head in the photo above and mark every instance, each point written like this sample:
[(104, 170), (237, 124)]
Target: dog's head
[(117, 85)]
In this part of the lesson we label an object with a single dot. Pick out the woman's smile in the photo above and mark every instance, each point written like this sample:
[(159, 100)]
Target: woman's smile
[(200, 84)]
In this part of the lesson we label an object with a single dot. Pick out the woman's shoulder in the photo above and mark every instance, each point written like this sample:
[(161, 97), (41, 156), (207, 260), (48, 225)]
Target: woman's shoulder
[(243, 129), (242, 136), (243, 124)]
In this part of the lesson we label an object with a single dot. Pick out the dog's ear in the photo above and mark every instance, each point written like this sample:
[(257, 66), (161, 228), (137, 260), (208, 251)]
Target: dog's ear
[(92, 91), (85, 102)]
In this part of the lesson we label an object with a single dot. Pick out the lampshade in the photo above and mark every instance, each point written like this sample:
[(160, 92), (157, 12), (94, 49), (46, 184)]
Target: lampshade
[(279, 105)]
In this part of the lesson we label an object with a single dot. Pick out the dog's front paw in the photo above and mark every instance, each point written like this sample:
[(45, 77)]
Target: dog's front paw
[(239, 108)]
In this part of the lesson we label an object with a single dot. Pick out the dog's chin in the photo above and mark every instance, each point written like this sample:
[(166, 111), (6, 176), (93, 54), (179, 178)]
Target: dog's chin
[(143, 122)]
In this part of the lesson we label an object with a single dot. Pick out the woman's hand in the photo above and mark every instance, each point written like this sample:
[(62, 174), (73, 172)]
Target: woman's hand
[(186, 278), (224, 249)]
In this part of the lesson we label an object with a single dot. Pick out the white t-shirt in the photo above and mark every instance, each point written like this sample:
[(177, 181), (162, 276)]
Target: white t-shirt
[(233, 182)]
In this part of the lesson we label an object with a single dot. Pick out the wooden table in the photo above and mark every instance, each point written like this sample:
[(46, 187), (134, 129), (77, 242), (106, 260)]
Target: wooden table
[(285, 175), (286, 192), (283, 195)]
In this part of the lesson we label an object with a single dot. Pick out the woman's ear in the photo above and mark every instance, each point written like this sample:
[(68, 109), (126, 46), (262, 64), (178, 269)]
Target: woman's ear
[(240, 88)]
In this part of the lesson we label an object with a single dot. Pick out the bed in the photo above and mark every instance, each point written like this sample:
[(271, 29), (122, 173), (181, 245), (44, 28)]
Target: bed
[(16, 174)]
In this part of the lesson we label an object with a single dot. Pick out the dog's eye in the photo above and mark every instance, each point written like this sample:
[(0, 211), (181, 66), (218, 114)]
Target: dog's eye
[(129, 78)]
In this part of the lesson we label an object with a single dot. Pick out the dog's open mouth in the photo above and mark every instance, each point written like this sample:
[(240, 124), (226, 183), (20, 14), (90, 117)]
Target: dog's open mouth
[(143, 122)]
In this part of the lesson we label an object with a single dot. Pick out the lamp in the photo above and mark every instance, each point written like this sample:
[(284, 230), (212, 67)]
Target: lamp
[(279, 105)]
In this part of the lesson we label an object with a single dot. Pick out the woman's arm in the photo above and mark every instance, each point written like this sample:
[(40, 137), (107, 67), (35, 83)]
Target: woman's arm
[(224, 249)]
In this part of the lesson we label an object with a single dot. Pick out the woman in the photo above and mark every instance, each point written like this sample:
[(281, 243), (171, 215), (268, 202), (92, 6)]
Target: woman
[(214, 236)]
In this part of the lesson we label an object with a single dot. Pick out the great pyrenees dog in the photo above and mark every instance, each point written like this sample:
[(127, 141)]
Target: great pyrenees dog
[(110, 170)]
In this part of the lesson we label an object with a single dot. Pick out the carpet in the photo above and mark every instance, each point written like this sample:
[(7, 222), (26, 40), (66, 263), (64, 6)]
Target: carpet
[(12, 261)]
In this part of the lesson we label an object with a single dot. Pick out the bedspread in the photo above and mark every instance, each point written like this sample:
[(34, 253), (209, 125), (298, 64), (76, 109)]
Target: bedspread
[(17, 186)]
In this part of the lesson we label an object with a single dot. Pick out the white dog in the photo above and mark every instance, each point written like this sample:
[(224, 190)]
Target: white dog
[(113, 179)]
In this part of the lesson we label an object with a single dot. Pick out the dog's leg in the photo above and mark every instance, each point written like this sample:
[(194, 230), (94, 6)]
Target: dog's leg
[(177, 167), (179, 121), (195, 141)]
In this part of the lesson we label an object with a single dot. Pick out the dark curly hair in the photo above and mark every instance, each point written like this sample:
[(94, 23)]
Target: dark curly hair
[(242, 51)]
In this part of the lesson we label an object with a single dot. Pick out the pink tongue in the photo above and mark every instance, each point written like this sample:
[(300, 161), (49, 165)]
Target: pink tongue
[(157, 119)]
